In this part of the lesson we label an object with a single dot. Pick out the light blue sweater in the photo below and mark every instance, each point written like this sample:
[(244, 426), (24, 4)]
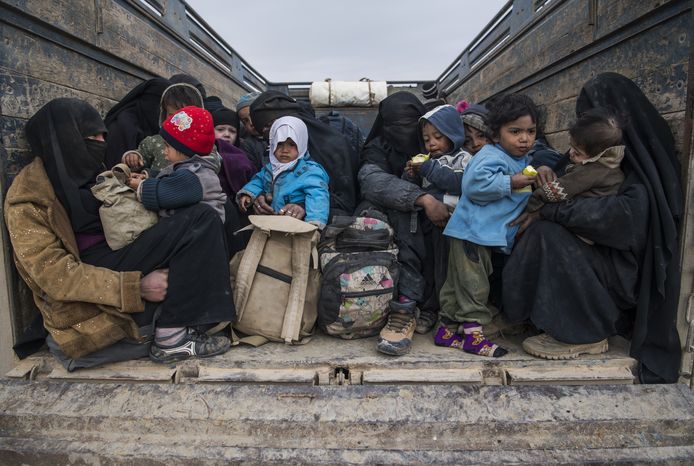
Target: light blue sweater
[(488, 204)]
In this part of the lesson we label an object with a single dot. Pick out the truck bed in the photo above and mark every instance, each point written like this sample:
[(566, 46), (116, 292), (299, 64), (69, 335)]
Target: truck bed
[(327, 360)]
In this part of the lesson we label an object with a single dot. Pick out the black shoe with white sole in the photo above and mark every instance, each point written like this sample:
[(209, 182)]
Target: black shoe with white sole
[(194, 344)]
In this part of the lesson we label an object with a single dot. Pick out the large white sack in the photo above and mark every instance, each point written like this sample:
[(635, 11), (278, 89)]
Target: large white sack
[(347, 93)]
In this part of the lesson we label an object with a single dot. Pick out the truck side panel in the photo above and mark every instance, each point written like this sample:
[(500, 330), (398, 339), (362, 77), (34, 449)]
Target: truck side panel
[(96, 51)]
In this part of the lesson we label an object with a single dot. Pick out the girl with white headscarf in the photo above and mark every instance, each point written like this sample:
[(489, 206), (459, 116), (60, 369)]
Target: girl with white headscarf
[(292, 183)]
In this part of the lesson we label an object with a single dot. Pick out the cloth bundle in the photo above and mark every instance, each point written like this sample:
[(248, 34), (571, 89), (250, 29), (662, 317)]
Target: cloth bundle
[(123, 216)]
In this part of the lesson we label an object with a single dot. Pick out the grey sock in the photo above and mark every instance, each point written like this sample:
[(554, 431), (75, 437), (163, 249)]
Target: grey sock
[(169, 336)]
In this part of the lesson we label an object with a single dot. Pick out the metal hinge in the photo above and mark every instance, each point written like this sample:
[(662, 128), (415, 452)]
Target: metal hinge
[(344, 376)]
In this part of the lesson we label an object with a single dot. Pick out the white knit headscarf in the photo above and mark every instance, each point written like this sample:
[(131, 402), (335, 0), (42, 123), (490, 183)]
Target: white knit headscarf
[(284, 128)]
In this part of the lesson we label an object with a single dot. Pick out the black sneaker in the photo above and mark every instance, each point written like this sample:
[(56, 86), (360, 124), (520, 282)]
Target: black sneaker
[(193, 345), (426, 320)]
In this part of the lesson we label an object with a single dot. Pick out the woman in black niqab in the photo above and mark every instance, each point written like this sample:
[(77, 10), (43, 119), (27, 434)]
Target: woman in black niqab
[(58, 133), (650, 155), (628, 282), (134, 118), (397, 124)]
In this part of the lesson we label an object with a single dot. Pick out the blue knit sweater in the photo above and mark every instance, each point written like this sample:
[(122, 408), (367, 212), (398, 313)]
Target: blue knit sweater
[(488, 204)]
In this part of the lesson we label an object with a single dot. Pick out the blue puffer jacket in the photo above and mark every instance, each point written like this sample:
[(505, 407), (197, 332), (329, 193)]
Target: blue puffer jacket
[(306, 184), (488, 203)]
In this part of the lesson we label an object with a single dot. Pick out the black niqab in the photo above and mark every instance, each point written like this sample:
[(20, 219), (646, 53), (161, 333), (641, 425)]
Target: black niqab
[(398, 122), (650, 154), (394, 136), (326, 146), (134, 118), (56, 134)]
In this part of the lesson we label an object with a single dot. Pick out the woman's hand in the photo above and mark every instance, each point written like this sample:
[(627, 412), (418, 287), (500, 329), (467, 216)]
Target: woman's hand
[(545, 175), (293, 210), (153, 286), (261, 207), (525, 220), (434, 209)]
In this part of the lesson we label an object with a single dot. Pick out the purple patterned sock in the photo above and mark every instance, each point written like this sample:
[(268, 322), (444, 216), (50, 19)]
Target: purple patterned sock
[(476, 343), (444, 337)]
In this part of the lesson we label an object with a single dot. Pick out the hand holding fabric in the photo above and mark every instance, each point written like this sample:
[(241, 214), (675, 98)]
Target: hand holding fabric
[(153, 286)]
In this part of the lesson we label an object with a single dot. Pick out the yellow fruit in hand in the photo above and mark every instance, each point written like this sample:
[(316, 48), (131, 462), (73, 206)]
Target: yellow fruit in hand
[(529, 171), (420, 158)]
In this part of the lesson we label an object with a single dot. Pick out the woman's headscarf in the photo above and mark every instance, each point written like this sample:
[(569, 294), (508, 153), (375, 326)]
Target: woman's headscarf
[(134, 118), (326, 145), (282, 129), (397, 121), (650, 154), (394, 136), (57, 134)]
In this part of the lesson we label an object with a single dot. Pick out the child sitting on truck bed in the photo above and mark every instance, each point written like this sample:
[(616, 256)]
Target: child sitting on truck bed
[(292, 183), (595, 156), (150, 152), (442, 135), (492, 197), (191, 176), (476, 129)]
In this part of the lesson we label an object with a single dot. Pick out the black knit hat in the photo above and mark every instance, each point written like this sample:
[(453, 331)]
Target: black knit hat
[(225, 116)]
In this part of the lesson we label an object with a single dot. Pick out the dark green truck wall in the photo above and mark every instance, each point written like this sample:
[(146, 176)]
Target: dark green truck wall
[(96, 50), (549, 49), (567, 42)]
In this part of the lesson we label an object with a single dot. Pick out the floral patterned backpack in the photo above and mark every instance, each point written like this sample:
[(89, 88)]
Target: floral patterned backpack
[(360, 274)]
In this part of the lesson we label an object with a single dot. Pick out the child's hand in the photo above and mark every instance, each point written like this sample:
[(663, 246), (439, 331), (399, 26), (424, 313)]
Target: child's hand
[(133, 159), (412, 169), (135, 180), (519, 180), (244, 202), (545, 175)]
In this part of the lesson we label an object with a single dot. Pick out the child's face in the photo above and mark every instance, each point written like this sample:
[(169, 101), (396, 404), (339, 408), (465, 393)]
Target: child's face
[(286, 151), (518, 136), (172, 155), (171, 109), (435, 143), (226, 133), (577, 153), (474, 140)]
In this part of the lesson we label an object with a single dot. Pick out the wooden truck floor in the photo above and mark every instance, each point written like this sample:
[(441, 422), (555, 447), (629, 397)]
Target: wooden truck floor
[(330, 361)]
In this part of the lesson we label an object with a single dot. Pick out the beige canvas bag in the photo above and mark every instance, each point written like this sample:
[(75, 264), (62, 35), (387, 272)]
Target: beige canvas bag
[(123, 217), (276, 281)]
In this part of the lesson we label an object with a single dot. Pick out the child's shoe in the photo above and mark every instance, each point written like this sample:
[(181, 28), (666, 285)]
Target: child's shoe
[(476, 343), (396, 337), (426, 320), (445, 337), (192, 344)]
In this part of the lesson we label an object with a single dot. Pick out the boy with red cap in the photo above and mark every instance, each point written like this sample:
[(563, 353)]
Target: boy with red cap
[(191, 175)]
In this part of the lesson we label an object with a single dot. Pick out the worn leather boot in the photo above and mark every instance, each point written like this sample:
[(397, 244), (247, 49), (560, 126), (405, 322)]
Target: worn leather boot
[(544, 346), (396, 337)]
